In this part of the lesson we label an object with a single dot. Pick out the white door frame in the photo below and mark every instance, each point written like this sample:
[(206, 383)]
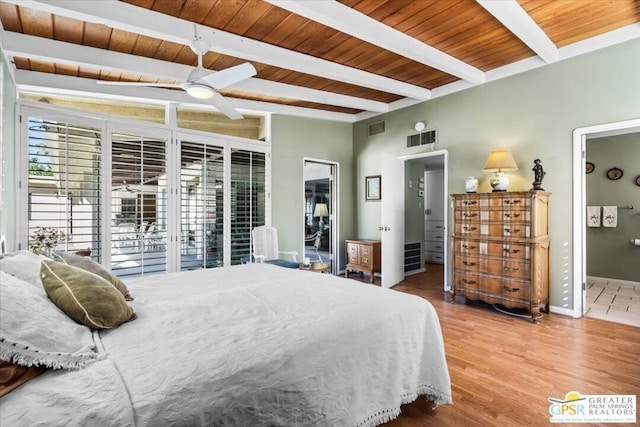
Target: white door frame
[(334, 215), (580, 135)]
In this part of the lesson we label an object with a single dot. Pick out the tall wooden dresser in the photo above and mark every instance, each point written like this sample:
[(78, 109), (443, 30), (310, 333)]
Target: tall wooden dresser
[(500, 245)]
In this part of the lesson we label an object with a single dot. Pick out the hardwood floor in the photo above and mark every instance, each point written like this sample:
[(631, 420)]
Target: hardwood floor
[(504, 368)]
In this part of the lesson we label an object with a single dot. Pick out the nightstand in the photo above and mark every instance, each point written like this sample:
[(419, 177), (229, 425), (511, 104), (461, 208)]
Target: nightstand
[(363, 256)]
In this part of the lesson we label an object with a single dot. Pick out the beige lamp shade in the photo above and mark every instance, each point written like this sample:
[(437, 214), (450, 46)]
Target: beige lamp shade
[(500, 161), (321, 210)]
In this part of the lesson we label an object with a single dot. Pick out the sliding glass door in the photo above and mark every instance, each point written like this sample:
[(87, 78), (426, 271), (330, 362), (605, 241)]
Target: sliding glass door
[(201, 205), (64, 186), (248, 201), (222, 193), (138, 202)]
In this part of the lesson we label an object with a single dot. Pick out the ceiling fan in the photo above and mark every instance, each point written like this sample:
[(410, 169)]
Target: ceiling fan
[(202, 83), (126, 187)]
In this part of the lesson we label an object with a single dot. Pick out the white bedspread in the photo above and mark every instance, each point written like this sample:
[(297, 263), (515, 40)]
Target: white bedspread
[(259, 345)]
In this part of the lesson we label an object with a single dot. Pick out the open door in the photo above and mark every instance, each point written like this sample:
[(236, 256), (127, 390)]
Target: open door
[(320, 210), (392, 220)]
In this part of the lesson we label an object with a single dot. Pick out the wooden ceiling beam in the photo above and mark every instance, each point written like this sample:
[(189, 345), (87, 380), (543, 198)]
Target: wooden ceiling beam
[(514, 17), (347, 20)]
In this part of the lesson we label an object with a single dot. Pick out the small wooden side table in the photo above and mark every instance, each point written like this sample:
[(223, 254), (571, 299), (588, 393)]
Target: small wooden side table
[(323, 269), (363, 256)]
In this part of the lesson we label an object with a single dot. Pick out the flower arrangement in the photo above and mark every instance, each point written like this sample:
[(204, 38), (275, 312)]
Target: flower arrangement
[(45, 239)]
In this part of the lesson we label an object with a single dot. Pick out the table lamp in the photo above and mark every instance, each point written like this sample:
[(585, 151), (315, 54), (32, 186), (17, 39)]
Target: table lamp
[(500, 161), (321, 211)]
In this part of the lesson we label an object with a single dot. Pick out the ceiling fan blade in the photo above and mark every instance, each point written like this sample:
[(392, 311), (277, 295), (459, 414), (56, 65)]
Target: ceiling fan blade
[(116, 83), (229, 76), (225, 107)]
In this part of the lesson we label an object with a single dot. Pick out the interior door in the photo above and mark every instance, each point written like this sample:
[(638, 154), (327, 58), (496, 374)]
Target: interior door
[(392, 220)]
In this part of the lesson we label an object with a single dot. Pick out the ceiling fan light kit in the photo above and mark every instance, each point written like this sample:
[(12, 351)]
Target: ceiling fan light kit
[(199, 91)]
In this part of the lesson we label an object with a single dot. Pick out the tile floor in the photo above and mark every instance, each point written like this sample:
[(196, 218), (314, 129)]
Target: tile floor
[(608, 299)]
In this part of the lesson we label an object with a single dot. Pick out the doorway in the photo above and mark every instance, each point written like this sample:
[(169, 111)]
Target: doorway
[(580, 136), (397, 229), (320, 211)]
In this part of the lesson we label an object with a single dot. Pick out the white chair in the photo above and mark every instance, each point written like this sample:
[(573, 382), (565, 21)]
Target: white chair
[(127, 235), (264, 241), (313, 241), (153, 240)]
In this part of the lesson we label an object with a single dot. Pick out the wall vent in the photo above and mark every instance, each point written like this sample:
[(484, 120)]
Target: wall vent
[(376, 128), (422, 138)]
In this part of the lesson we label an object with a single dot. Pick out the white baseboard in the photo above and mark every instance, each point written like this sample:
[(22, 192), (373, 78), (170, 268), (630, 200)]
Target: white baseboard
[(565, 311), (412, 272)]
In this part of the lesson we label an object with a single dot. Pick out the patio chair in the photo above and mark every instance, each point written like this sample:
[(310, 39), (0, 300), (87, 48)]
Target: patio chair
[(313, 241), (265, 248)]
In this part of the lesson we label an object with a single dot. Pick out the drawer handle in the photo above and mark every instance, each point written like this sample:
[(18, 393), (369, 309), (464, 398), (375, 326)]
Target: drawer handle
[(511, 202), (511, 251), (469, 246), (439, 226), (512, 270), (469, 215), (515, 230), (469, 263), (508, 289), (470, 202), (438, 237), (438, 247), (468, 282), (509, 215), (467, 228)]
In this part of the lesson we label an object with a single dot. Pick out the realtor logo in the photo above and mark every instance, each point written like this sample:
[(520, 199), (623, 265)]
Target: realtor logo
[(577, 408)]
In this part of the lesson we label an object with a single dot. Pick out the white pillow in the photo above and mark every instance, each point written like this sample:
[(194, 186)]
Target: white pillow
[(34, 332), (24, 265)]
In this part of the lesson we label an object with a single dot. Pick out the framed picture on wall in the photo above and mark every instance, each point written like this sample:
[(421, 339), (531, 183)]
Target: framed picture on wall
[(373, 187)]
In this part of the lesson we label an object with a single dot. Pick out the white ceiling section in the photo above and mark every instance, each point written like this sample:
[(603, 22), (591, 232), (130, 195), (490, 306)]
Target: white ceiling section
[(331, 13)]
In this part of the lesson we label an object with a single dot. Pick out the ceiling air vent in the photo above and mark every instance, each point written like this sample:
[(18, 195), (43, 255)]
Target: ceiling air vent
[(422, 138), (376, 128)]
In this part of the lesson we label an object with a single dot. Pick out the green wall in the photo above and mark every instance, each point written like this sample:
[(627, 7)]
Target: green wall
[(609, 250), (293, 139), (7, 213), (533, 114)]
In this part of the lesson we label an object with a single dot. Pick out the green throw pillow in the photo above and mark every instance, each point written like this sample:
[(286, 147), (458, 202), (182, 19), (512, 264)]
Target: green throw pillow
[(93, 267), (85, 297)]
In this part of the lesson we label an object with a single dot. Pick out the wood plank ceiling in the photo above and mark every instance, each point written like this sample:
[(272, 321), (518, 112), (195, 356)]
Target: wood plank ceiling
[(343, 60)]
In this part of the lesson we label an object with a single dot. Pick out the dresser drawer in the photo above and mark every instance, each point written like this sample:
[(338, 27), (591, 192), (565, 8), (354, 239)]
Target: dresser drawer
[(470, 203), (472, 263), (465, 281), (434, 246), (469, 247), (434, 257), (511, 293), (496, 229), (507, 268), (434, 236), (434, 226), (509, 250), (510, 201)]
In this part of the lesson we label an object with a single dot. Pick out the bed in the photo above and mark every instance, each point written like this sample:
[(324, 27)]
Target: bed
[(247, 345)]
